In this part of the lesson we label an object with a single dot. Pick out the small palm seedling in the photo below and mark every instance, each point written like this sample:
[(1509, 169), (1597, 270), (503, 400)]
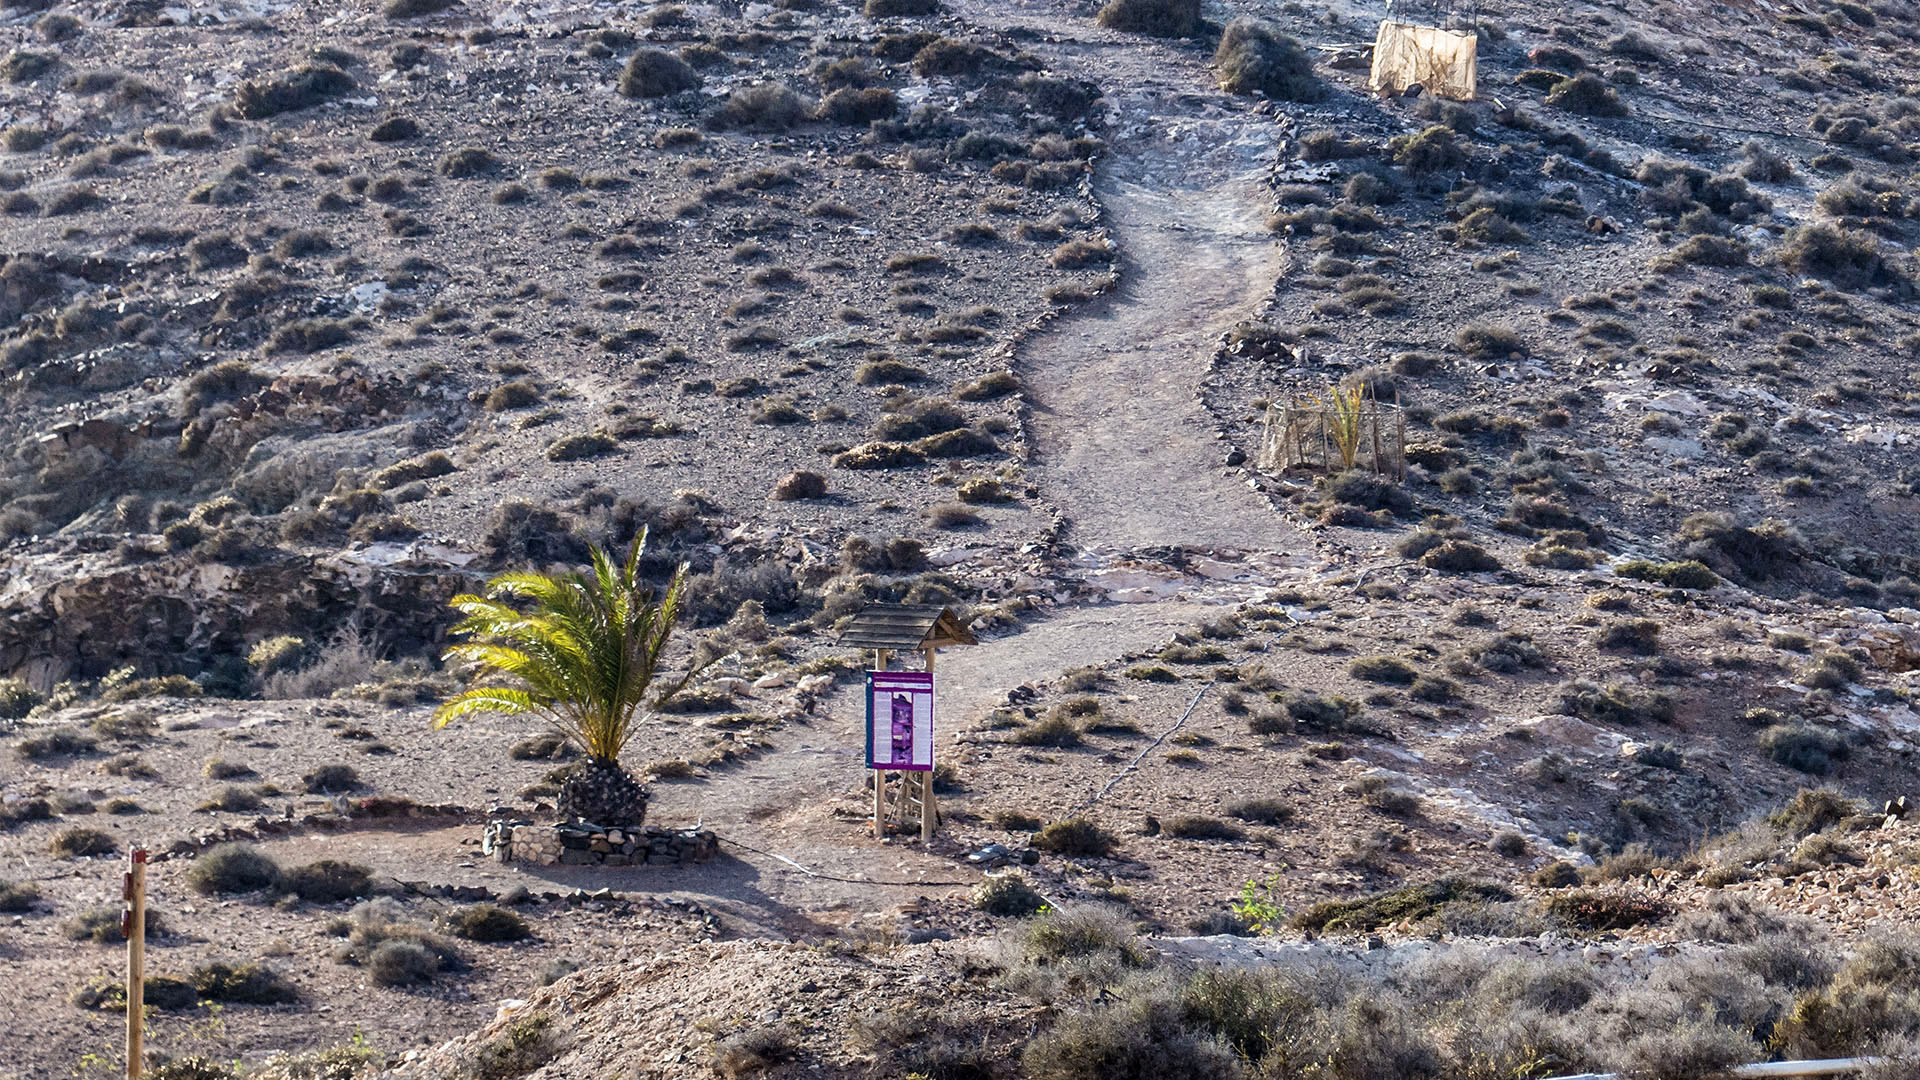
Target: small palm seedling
[(1342, 408), (581, 653)]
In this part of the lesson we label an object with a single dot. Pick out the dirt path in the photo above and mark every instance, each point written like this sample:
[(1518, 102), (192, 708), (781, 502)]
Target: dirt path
[(777, 802), (973, 680), (1122, 446)]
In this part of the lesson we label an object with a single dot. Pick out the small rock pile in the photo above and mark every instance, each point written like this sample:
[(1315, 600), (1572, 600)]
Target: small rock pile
[(584, 844)]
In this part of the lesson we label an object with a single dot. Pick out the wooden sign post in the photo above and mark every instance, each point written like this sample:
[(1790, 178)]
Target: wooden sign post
[(888, 629), (929, 814), (133, 926), (881, 658)]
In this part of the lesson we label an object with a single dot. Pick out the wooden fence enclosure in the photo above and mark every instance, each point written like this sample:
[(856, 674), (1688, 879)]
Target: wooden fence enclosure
[(1326, 437)]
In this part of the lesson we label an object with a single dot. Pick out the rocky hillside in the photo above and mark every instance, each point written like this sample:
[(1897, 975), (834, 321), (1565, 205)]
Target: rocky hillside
[(311, 318)]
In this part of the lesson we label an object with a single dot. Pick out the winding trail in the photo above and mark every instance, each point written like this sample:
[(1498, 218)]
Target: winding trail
[(1121, 444)]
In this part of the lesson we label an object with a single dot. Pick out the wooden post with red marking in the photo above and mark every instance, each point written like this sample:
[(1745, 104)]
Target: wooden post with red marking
[(133, 925)]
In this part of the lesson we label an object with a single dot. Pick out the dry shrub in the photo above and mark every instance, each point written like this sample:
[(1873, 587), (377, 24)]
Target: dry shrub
[(77, 843), (1155, 18), (1619, 704), (328, 881), (1755, 552), (413, 9), (488, 923), (769, 106), (850, 105), (755, 1051), (1409, 903), (1849, 258), (402, 963), (800, 484), (349, 660), (302, 88), (581, 446), (1587, 94), (1138, 1037), (1803, 747), (654, 73), (16, 898), (247, 984), (329, 779), (1436, 149), (1255, 58), (1077, 837), (1075, 254), (1459, 557), (232, 868)]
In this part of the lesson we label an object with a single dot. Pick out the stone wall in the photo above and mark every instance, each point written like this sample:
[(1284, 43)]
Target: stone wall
[(591, 845)]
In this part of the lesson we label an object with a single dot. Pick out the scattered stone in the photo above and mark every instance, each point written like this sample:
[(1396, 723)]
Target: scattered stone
[(510, 840)]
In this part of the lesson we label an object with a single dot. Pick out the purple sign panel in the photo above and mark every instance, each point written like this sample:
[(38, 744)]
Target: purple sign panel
[(900, 720)]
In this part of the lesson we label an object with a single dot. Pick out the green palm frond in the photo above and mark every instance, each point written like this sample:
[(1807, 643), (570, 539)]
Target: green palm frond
[(498, 699), (581, 651)]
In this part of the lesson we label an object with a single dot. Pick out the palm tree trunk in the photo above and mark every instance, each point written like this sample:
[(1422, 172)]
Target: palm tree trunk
[(600, 791)]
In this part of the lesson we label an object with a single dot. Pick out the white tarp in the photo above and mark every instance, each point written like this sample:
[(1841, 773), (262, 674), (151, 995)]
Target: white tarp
[(1443, 62)]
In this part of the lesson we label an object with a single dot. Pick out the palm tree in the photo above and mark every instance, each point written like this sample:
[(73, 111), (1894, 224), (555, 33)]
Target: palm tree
[(582, 654)]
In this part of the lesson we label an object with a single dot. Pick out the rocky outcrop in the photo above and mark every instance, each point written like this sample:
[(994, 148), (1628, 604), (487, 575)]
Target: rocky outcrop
[(81, 612)]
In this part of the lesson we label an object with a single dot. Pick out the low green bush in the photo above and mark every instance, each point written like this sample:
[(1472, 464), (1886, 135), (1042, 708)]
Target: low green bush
[(1686, 574), (1809, 749), (1409, 903), (1007, 894)]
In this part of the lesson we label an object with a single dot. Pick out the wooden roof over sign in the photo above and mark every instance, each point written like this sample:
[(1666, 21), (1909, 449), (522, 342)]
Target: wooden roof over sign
[(905, 627)]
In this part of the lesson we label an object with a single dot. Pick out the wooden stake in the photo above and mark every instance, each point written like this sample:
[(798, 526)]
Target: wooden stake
[(880, 658), (1376, 439), (927, 810), (134, 926), (1400, 434)]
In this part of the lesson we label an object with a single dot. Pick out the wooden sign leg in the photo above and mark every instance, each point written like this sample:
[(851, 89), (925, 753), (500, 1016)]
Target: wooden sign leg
[(927, 812), (881, 658), (926, 778)]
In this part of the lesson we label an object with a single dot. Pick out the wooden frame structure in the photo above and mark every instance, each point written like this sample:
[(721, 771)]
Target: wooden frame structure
[(887, 629), (1301, 435)]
